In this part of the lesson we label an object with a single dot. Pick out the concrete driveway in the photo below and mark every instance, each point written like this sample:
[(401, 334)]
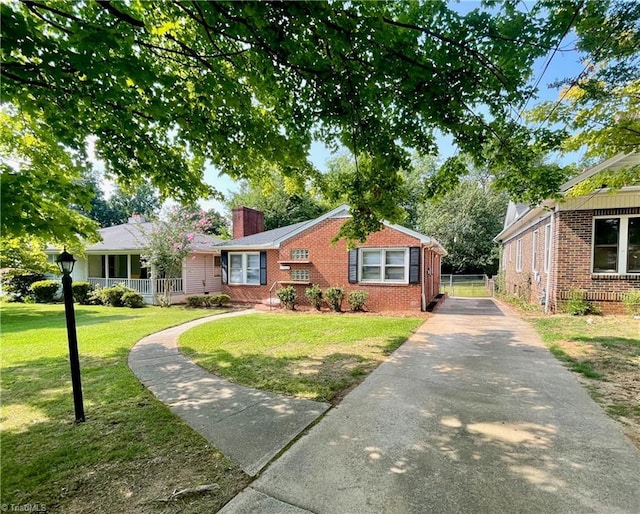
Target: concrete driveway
[(472, 414)]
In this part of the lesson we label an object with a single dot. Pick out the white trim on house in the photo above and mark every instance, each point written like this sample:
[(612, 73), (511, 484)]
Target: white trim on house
[(622, 266), (244, 269), (339, 212), (599, 199), (383, 265), (534, 250), (519, 255)]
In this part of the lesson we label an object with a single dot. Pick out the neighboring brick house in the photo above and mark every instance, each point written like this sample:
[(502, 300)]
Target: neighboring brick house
[(399, 268), (588, 243)]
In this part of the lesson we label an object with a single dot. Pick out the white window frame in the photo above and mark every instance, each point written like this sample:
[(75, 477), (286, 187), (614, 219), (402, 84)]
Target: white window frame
[(245, 269), (383, 265), (510, 251), (547, 247), (534, 252), (623, 244), (519, 254)]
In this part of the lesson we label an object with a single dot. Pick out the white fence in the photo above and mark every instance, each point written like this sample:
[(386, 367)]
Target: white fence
[(466, 285), (143, 286)]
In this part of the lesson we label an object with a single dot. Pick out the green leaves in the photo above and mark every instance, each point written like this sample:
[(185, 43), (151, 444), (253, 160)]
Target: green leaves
[(166, 87)]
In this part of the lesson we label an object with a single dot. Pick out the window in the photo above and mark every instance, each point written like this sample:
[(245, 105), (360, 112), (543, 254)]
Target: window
[(299, 254), (244, 268), (301, 275), (547, 247), (534, 255), (519, 255), (510, 252), (137, 268), (383, 265), (118, 266), (616, 244), (97, 267)]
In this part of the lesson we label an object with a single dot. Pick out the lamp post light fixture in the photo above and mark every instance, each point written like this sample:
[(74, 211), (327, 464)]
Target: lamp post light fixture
[(66, 262)]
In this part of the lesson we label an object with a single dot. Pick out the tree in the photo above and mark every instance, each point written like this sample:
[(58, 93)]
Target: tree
[(281, 201), (168, 243), (465, 220), (120, 206), (166, 87), (205, 221), (600, 106), (40, 181)]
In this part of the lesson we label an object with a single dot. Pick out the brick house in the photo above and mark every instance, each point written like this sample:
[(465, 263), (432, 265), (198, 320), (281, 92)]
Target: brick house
[(399, 268), (587, 243)]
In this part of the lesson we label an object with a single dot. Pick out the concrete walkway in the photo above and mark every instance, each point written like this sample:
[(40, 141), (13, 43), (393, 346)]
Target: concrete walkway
[(471, 415), (247, 425)]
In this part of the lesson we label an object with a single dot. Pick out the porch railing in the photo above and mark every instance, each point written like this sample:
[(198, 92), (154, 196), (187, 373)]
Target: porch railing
[(141, 285), (173, 284)]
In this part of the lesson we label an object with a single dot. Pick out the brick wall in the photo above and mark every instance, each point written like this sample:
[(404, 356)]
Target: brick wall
[(528, 283), (571, 263), (574, 262), (328, 266)]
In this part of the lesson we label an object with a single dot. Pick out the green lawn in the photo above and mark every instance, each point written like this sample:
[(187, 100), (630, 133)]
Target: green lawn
[(130, 450), (606, 351), (305, 355)]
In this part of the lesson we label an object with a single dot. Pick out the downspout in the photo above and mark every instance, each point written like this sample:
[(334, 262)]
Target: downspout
[(551, 248), (423, 299)]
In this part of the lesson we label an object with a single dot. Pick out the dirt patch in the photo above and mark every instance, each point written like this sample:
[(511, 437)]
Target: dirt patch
[(146, 485)]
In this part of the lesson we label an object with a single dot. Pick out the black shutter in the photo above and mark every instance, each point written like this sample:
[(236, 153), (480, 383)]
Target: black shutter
[(263, 268), (414, 265), (353, 266), (224, 266)]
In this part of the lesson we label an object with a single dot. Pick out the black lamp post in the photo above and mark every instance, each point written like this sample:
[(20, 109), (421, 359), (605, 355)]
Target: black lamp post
[(66, 261)]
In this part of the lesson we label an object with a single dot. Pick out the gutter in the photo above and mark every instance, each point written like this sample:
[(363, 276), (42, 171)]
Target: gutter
[(547, 293)]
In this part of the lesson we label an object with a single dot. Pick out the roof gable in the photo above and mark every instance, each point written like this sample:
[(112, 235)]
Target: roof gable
[(274, 238)]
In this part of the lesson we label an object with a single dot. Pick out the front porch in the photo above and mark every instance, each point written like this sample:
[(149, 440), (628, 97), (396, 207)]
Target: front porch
[(147, 287)]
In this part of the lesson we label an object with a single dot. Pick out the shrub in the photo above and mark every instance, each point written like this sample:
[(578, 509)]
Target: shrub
[(632, 302), (216, 300), (113, 295), (195, 301), (17, 283), (45, 291), (221, 299), (335, 295), (357, 299), (95, 296), (132, 299), (81, 291), (576, 305), (287, 296), (314, 295)]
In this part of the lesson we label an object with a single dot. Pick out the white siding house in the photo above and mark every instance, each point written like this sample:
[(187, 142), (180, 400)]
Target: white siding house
[(116, 260)]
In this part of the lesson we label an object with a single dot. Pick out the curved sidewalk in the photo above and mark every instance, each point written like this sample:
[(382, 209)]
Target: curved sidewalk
[(247, 425)]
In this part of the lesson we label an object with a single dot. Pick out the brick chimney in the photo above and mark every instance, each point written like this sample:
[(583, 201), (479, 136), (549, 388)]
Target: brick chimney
[(246, 221)]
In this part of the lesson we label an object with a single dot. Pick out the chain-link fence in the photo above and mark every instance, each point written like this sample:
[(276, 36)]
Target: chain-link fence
[(466, 285)]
